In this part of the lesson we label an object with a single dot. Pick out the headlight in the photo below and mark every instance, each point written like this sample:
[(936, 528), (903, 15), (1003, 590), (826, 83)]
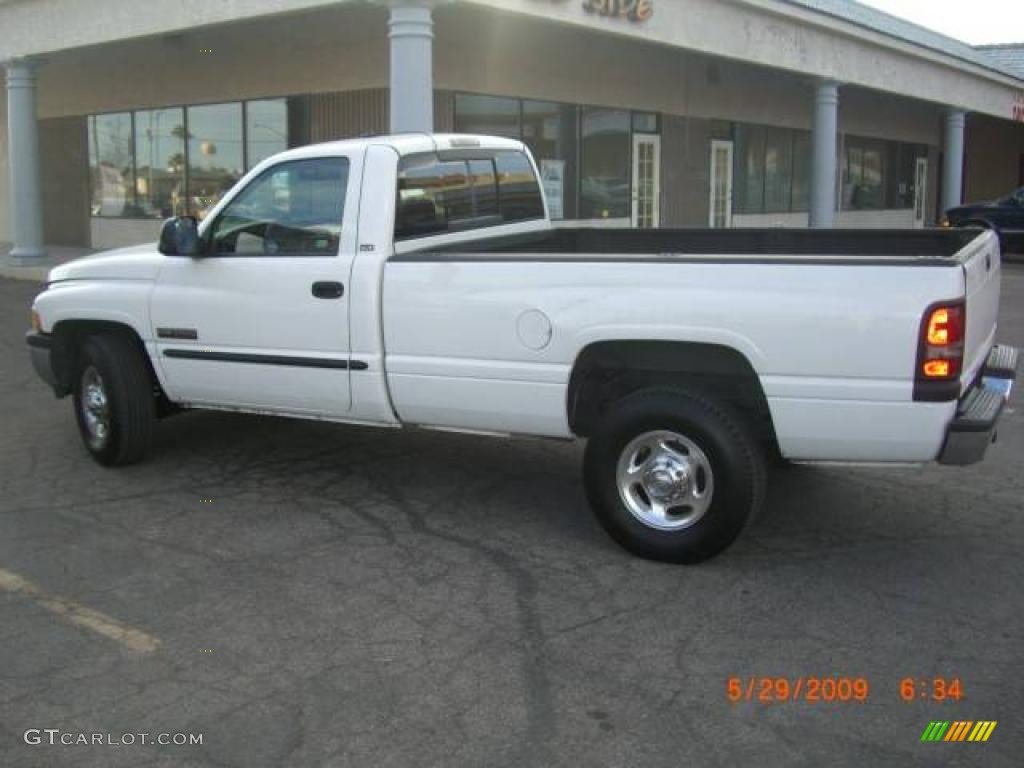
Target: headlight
[(37, 322), (945, 222)]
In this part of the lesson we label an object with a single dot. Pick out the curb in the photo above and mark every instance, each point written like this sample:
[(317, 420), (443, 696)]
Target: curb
[(36, 274)]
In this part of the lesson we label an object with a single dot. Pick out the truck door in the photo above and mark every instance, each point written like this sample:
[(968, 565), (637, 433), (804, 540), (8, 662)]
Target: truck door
[(260, 320)]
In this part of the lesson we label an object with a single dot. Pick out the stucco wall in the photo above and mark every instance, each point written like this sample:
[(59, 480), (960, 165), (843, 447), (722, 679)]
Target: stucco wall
[(475, 50), (762, 32), (799, 41), (324, 52)]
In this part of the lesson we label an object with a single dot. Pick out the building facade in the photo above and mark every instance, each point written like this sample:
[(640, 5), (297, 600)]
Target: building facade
[(639, 112)]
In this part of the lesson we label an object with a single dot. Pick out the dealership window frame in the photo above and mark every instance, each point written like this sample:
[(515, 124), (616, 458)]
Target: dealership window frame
[(635, 119), (132, 114)]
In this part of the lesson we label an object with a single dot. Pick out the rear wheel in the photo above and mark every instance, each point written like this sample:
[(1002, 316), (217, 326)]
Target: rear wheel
[(674, 476), (113, 400)]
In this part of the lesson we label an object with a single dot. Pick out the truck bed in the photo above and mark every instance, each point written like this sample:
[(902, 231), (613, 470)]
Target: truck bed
[(925, 247)]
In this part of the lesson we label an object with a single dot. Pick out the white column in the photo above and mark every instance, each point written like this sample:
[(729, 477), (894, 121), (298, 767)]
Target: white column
[(953, 160), (824, 155), (23, 158), (411, 31)]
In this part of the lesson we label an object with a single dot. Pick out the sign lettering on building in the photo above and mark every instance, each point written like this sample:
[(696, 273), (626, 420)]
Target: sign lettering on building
[(634, 10)]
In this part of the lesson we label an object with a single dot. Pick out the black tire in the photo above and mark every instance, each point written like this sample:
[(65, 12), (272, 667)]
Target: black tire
[(130, 406), (737, 465)]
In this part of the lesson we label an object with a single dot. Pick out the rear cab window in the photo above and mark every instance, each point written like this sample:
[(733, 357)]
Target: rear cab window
[(440, 193)]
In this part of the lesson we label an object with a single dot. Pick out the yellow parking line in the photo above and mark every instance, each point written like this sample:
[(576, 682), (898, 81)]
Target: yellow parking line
[(111, 628)]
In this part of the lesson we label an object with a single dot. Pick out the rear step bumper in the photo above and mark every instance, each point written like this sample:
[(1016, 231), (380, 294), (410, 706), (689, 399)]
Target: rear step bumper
[(974, 427)]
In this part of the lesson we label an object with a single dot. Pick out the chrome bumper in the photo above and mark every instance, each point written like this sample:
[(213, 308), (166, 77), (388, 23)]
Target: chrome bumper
[(974, 428)]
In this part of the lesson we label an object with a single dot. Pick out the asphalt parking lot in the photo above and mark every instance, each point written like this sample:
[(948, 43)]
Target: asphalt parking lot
[(307, 594)]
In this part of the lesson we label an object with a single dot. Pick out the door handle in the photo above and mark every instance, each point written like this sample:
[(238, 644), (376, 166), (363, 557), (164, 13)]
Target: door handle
[(328, 290)]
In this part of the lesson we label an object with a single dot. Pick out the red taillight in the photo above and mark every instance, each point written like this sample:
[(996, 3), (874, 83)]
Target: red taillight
[(945, 326), (940, 352)]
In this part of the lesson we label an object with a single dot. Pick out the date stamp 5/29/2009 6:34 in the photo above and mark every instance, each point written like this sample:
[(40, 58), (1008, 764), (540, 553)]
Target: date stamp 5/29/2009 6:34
[(839, 688)]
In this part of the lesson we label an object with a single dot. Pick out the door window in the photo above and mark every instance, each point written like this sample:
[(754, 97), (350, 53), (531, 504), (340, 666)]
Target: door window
[(295, 208)]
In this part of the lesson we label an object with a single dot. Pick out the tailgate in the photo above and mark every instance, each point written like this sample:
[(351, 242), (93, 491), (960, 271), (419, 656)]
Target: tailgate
[(981, 262)]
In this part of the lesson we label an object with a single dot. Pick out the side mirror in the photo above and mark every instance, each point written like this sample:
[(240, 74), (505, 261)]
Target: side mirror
[(180, 237)]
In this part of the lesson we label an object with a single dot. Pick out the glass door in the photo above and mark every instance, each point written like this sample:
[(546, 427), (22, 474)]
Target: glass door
[(646, 180), (920, 191), (720, 209)]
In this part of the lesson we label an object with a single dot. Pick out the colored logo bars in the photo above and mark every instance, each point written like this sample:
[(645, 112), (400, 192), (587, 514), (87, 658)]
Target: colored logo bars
[(959, 731)]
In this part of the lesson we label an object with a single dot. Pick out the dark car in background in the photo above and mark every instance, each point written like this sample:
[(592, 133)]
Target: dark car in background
[(1005, 215)]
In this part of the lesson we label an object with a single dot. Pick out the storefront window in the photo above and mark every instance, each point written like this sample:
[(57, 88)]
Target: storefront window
[(772, 169), (160, 162), (488, 115), (900, 179), (214, 154), (645, 122), (863, 175), (605, 169), (801, 171), (110, 164), (778, 170), (549, 130), (749, 169), (138, 160), (583, 154), (266, 124)]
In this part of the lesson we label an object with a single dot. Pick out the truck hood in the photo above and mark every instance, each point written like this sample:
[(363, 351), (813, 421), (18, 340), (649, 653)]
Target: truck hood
[(137, 262)]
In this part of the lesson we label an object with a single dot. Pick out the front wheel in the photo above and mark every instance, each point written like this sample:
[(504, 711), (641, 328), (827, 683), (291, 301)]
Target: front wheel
[(113, 400), (674, 476)]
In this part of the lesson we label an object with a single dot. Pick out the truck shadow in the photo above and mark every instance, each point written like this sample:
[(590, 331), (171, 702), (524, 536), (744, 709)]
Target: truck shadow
[(528, 491)]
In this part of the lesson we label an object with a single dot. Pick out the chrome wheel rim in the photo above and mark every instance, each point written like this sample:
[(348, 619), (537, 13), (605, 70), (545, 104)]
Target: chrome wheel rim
[(665, 480), (95, 408)]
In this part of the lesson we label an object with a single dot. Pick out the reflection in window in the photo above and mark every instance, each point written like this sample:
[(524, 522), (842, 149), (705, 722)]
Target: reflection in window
[(863, 175), (110, 164), (549, 130), (438, 196), (749, 169), (214, 154), (292, 208), (488, 115), (901, 174), (160, 162), (137, 167), (605, 171), (266, 129), (801, 171), (520, 194), (645, 122), (778, 170), (772, 169)]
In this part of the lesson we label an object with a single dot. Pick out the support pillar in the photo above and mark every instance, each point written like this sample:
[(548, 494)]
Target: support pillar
[(953, 160), (411, 32), (23, 159), (824, 155)]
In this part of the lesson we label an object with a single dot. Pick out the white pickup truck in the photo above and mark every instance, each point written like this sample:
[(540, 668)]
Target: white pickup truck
[(416, 280)]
